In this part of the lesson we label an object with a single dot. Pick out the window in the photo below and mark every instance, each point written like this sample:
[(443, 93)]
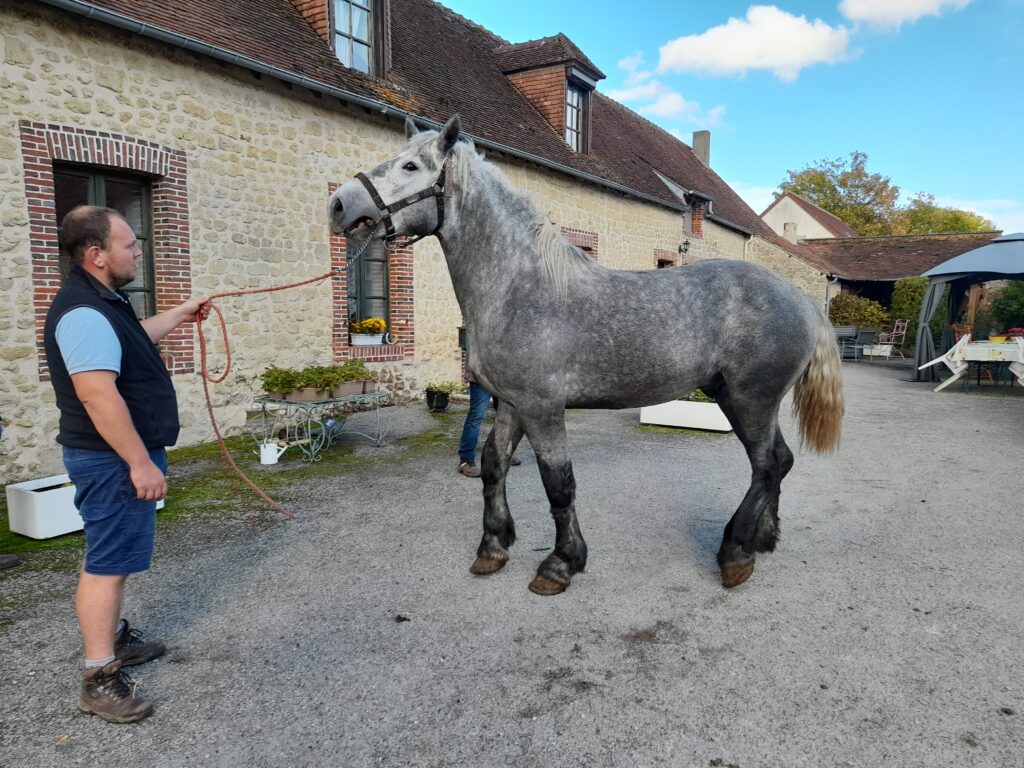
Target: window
[(368, 282), (574, 103), (130, 196), (353, 33)]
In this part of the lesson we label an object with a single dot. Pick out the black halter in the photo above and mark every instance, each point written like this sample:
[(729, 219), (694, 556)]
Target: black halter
[(436, 190)]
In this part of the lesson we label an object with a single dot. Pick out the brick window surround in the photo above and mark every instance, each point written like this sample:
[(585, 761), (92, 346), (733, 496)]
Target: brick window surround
[(41, 145), (402, 320), (663, 258), (581, 238)]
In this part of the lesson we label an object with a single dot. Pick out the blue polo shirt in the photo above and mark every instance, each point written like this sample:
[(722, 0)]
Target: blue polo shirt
[(88, 342)]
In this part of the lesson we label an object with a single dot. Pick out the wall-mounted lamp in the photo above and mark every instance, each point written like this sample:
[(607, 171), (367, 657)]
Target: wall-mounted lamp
[(684, 247)]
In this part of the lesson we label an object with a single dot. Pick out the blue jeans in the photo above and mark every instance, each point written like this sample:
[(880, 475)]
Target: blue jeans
[(478, 400), (119, 527)]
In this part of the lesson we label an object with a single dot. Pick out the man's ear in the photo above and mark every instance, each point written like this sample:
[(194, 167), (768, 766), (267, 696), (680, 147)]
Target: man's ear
[(410, 128), (450, 134)]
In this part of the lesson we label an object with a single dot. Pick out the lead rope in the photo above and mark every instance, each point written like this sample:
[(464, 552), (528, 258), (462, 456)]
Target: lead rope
[(208, 378)]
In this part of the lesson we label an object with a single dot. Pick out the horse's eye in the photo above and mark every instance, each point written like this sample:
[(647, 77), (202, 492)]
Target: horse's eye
[(410, 167)]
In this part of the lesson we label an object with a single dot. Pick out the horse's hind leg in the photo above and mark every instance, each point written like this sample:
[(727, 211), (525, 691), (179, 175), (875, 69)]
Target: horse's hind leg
[(755, 525), (499, 530), (547, 436)]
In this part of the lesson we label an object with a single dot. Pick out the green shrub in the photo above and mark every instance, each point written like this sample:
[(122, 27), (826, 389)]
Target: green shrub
[(847, 309), (907, 295), (1008, 306)]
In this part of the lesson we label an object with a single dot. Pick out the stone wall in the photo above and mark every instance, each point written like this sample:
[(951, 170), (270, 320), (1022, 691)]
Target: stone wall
[(260, 159)]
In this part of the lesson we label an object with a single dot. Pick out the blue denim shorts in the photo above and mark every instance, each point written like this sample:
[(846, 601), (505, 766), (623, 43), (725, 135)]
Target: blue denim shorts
[(119, 527)]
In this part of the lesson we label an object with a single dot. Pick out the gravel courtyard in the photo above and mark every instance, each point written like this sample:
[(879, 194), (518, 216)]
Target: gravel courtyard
[(886, 630)]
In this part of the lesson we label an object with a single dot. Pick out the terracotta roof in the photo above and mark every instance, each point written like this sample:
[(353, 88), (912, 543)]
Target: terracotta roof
[(441, 63), (832, 223), (545, 52), (891, 258)]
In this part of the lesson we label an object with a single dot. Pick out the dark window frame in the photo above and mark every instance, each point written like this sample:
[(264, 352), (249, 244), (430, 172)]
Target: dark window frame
[(358, 274), (376, 29), (97, 178)]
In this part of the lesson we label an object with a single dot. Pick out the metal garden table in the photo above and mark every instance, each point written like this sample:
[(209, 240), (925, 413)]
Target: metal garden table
[(316, 425)]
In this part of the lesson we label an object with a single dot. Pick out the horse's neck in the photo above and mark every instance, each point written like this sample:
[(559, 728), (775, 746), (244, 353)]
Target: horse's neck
[(490, 241)]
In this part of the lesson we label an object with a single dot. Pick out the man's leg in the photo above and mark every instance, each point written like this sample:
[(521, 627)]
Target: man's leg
[(478, 400), (98, 604)]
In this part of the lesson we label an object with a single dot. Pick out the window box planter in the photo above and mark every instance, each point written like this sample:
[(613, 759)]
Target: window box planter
[(688, 414), (365, 339), (44, 508)]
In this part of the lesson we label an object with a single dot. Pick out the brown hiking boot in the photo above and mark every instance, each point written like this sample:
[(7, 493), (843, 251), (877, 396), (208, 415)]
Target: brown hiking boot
[(468, 469), (130, 649), (110, 693)]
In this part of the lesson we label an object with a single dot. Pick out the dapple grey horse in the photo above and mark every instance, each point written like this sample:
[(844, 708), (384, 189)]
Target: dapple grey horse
[(549, 328)]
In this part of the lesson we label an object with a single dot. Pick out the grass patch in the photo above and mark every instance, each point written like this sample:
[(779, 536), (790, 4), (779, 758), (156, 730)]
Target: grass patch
[(679, 431)]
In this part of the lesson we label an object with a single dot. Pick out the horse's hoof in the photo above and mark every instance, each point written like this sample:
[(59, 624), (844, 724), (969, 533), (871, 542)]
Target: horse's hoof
[(542, 585), (735, 574), (484, 566)]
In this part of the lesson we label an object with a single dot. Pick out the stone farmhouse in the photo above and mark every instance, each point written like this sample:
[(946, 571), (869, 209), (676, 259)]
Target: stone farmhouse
[(219, 129)]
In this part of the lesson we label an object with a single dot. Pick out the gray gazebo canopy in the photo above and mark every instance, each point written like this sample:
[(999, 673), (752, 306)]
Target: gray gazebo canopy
[(1002, 259)]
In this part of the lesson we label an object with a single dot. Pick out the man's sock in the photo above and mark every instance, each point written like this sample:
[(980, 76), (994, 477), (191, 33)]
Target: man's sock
[(93, 663)]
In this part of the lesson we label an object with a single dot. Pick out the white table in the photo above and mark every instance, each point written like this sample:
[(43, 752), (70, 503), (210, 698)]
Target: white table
[(959, 357)]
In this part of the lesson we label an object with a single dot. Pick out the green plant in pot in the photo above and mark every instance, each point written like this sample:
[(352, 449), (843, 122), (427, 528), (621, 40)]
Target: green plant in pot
[(278, 382), (438, 393)]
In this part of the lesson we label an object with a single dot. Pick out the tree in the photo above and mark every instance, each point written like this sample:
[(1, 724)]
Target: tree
[(923, 217), (868, 202), (865, 201)]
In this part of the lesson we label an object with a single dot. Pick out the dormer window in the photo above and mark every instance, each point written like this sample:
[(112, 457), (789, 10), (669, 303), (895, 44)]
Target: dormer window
[(574, 97), (353, 33)]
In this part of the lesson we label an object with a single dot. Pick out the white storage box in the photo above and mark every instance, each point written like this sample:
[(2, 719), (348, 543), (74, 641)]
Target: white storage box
[(688, 414), (44, 508)]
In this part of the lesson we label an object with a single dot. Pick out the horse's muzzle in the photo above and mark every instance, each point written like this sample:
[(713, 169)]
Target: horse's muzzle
[(350, 210)]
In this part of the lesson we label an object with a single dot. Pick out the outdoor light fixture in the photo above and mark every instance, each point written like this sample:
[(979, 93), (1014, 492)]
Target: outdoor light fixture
[(684, 247)]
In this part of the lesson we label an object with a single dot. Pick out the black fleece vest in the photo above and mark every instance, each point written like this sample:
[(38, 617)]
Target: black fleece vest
[(144, 382)]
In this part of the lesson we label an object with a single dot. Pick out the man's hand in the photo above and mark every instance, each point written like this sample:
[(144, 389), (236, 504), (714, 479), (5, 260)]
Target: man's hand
[(195, 309), (150, 483), (158, 326)]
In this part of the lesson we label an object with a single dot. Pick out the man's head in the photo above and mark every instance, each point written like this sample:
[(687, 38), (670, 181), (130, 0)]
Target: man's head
[(101, 242)]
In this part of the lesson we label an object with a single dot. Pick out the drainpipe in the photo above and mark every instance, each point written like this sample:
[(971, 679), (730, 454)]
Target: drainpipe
[(129, 24), (828, 286)]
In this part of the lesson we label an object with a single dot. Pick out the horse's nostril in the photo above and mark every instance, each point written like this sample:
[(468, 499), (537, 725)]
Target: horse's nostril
[(337, 206)]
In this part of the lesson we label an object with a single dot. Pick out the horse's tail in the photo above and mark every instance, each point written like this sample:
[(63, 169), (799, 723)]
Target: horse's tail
[(818, 397)]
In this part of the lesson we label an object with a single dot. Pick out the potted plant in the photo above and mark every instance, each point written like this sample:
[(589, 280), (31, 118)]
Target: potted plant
[(438, 393), (1013, 333), (281, 382), (697, 410), (366, 332), (350, 379)]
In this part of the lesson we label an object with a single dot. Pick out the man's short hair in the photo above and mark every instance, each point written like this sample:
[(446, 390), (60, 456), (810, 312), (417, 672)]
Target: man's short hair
[(84, 227)]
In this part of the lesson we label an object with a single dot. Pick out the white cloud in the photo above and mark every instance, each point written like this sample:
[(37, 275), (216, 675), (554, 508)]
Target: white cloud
[(890, 14), (658, 100), (757, 197), (644, 92), (767, 39), (1008, 215), (632, 65)]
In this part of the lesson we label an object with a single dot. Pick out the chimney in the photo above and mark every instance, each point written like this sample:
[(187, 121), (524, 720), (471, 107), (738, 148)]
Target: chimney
[(789, 231), (317, 14), (702, 146)]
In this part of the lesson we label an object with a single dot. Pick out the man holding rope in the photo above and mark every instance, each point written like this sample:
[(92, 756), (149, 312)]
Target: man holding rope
[(118, 412)]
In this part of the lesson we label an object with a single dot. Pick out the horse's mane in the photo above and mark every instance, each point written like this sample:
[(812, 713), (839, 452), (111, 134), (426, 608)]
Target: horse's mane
[(470, 174)]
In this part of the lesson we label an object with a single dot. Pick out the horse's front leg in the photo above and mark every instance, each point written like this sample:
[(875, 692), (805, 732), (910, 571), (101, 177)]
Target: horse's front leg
[(499, 530), (547, 436)]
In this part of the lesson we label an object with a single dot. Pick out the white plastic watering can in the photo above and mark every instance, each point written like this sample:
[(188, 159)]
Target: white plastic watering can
[(270, 451)]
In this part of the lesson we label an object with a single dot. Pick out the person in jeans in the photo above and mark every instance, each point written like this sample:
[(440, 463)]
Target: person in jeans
[(478, 400), (118, 411)]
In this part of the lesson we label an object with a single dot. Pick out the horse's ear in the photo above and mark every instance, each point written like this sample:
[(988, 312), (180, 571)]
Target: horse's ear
[(450, 133), (411, 129)]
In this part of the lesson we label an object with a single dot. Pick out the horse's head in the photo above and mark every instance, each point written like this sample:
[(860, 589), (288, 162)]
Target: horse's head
[(402, 196)]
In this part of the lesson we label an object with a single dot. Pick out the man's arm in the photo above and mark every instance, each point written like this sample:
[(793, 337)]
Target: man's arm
[(109, 413), (158, 326)]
